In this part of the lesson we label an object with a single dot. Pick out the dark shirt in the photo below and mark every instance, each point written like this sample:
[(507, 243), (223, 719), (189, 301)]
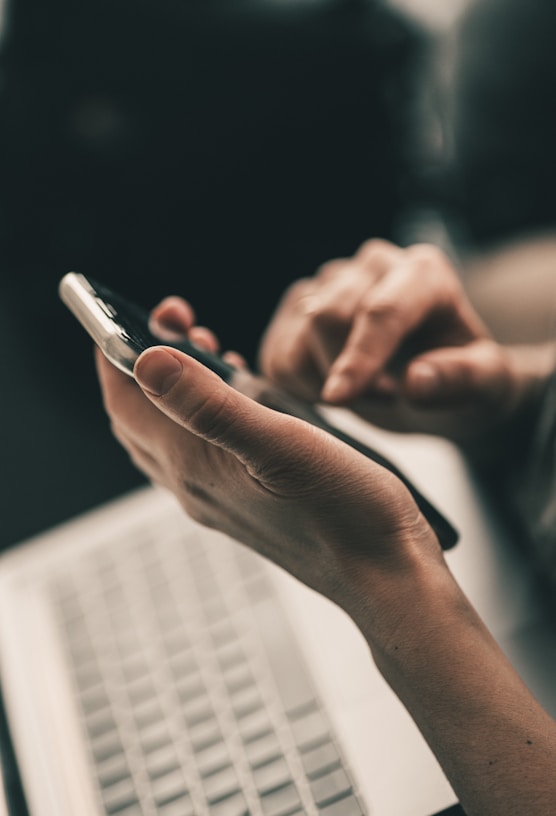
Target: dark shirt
[(533, 486), (502, 175)]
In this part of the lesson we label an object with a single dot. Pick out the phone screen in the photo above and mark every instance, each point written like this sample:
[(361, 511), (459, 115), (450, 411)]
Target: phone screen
[(134, 328)]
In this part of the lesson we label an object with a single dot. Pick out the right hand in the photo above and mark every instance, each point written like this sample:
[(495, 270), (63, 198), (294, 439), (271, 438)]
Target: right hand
[(391, 333)]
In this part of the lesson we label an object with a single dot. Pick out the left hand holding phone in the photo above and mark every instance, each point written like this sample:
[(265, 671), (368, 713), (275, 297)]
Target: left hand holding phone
[(334, 519), (285, 488)]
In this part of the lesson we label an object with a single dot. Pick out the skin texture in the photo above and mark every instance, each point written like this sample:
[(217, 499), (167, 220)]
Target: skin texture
[(346, 527)]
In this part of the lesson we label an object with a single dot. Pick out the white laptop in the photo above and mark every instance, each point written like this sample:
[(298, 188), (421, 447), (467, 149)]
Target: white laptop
[(150, 667)]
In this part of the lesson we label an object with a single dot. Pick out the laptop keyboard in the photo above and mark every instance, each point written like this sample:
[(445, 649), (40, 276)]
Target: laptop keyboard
[(193, 696)]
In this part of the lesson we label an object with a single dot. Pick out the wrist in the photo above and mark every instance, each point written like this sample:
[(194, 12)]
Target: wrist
[(411, 618), (418, 645), (396, 601)]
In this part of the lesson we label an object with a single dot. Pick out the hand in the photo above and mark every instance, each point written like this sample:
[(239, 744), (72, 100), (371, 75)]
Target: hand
[(391, 333), (337, 521)]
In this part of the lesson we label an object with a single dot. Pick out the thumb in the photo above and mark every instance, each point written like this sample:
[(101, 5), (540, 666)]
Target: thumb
[(195, 397), (198, 400), (452, 376)]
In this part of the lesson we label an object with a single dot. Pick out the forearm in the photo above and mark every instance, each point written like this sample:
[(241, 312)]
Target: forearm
[(494, 741)]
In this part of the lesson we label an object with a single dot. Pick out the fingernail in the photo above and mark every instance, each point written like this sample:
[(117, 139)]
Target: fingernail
[(157, 371), (424, 379), (336, 388)]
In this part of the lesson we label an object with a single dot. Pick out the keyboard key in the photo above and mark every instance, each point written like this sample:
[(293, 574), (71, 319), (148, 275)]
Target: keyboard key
[(349, 806), (331, 786), (82, 650), (281, 801), (255, 724), (310, 728), (320, 759), (273, 774), (134, 809), (212, 758), (189, 687), (215, 610), (121, 794), (288, 667), (222, 632), (234, 805), (263, 748), (231, 655), (101, 722), (205, 734), (197, 711), (147, 713), (161, 761), (169, 787), (154, 736), (246, 700), (238, 677), (221, 784), (182, 806), (182, 664), (88, 675), (94, 698), (175, 640), (140, 690), (135, 667), (106, 746), (112, 770)]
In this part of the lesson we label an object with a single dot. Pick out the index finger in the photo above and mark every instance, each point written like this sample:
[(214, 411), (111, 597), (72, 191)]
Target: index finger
[(418, 285)]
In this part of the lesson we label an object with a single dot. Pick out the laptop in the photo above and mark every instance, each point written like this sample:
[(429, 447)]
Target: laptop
[(152, 667)]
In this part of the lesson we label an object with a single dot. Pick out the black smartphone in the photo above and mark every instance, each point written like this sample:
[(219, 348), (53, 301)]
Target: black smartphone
[(122, 331)]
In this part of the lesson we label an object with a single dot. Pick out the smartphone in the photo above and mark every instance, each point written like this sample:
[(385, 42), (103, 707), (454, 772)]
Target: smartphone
[(122, 331)]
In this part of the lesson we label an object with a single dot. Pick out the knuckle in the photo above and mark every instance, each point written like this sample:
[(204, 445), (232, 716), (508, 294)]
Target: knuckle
[(430, 259), (375, 255), (434, 269), (330, 269), (212, 418), (374, 246), (299, 288), (382, 309), (427, 253)]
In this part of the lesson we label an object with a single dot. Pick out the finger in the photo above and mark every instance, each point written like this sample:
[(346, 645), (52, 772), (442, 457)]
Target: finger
[(174, 318), (204, 338), (199, 401), (329, 313), (477, 372), (379, 253), (318, 313), (174, 313), (401, 301), (285, 355), (234, 359)]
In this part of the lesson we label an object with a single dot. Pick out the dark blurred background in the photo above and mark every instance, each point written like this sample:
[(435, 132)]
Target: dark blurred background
[(218, 149)]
